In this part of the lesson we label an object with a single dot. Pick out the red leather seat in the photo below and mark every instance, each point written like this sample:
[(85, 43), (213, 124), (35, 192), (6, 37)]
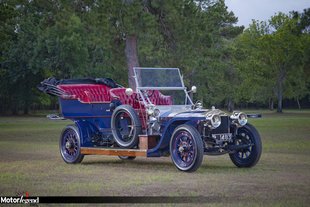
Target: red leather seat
[(159, 99), (97, 93), (87, 93), (156, 98), (119, 93)]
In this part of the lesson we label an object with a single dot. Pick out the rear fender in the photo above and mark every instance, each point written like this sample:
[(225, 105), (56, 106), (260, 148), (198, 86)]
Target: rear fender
[(86, 131)]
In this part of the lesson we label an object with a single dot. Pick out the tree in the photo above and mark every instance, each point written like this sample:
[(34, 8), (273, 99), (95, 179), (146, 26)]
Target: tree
[(69, 39), (284, 54), (195, 35), (7, 36), (19, 75), (130, 19), (276, 57), (251, 71)]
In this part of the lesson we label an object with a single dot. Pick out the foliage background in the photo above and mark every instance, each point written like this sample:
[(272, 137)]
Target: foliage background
[(233, 67)]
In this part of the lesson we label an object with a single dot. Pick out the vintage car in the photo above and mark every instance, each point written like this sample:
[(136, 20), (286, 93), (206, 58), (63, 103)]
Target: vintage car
[(158, 119)]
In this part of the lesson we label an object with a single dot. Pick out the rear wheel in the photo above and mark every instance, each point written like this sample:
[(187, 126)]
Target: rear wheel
[(248, 157), (127, 157), (126, 126), (69, 145), (186, 148)]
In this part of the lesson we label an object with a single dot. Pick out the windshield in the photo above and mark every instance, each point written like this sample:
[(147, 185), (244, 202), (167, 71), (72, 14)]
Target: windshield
[(177, 97), (166, 81), (159, 78)]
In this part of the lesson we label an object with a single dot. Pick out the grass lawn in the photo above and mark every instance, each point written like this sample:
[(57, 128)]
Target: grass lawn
[(30, 161)]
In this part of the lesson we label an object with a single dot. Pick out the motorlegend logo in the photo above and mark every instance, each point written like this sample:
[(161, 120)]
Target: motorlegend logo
[(19, 200)]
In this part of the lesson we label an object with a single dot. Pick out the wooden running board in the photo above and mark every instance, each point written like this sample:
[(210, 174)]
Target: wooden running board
[(113, 152)]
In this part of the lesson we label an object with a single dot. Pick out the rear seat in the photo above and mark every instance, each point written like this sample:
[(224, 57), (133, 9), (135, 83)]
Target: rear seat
[(87, 93), (98, 93)]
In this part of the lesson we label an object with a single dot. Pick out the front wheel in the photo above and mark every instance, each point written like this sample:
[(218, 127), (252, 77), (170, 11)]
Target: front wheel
[(248, 157), (69, 145), (186, 148)]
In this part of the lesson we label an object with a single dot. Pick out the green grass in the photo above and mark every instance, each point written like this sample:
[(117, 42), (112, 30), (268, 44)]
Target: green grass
[(30, 161)]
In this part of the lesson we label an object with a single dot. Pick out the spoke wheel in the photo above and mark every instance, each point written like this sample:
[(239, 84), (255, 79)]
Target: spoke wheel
[(186, 148), (69, 145), (126, 126), (249, 156)]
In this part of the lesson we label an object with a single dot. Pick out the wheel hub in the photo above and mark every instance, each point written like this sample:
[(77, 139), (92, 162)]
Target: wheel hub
[(181, 149), (68, 145)]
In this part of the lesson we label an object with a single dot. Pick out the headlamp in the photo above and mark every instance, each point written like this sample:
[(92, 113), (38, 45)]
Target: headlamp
[(213, 120), (239, 118)]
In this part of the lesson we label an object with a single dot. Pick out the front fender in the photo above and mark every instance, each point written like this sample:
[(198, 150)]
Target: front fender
[(167, 130)]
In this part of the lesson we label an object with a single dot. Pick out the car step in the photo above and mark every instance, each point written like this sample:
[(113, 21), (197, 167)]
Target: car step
[(113, 151)]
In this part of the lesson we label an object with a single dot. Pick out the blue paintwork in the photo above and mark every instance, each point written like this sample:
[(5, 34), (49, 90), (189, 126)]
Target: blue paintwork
[(168, 127), (91, 119), (95, 118), (75, 109)]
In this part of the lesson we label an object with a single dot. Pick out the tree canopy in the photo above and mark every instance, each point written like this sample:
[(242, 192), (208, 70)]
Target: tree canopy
[(264, 64), (272, 59)]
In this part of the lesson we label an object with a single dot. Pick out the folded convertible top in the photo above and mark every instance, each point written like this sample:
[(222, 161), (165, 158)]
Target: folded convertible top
[(49, 85)]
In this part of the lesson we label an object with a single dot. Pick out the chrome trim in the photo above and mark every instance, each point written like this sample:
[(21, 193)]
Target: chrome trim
[(236, 118), (161, 88)]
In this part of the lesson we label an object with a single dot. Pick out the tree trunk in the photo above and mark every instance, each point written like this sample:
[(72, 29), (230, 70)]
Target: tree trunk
[(132, 59), (280, 81), (279, 96), (230, 105), (271, 105), (298, 103)]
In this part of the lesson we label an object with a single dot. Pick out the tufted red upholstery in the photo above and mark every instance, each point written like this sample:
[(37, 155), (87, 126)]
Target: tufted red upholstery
[(87, 93), (157, 98), (119, 93), (97, 93)]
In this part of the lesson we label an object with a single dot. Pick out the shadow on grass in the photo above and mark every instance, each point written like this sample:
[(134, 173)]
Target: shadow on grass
[(156, 164), (217, 167), (134, 163)]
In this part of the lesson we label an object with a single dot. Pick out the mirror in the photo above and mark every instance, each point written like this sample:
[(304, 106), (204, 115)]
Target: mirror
[(194, 89), (129, 91)]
